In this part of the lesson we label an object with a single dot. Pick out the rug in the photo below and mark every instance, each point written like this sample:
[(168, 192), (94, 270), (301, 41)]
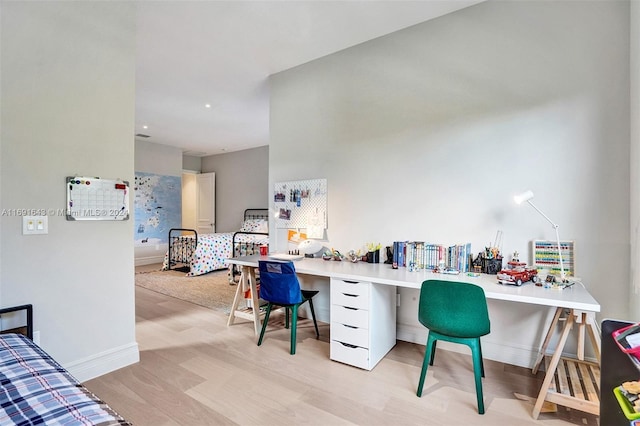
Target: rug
[(210, 290)]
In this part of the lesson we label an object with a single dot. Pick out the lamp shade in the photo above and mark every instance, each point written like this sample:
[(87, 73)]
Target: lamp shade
[(309, 247), (521, 198)]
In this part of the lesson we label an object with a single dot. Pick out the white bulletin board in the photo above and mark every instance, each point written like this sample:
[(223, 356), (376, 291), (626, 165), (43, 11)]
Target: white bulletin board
[(93, 198), (302, 204)]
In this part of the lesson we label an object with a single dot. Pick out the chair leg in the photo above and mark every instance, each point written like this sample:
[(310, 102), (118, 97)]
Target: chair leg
[(294, 328), (425, 363), (313, 315), (474, 344), (432, 355), (481, 357), (286, 317), (264, 323)]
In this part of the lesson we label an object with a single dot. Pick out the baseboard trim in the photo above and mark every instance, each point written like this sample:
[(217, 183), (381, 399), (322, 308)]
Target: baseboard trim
[(104, 362), (149, 260), (514, 355), (522, 356)]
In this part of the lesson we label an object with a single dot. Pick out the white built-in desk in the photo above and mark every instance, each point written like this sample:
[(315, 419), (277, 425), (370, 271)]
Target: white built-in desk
[(376, 280)]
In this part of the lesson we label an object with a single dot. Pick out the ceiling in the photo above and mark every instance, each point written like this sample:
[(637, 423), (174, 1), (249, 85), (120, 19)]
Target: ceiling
[(220, 53)]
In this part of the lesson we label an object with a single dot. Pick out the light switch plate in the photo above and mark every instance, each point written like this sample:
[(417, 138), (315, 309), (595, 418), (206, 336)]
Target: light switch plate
[(35, 225)]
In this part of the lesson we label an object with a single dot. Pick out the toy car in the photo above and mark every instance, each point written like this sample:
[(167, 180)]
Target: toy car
[(517, 273)]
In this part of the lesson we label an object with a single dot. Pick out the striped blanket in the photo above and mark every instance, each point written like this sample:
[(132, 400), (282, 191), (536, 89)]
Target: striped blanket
[(36, 390)]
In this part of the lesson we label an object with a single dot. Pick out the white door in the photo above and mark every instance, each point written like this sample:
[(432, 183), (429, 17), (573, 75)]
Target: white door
[(189, 191), (206, 203)]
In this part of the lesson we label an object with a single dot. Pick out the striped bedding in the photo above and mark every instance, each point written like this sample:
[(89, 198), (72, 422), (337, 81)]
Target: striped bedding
[(36, 390)]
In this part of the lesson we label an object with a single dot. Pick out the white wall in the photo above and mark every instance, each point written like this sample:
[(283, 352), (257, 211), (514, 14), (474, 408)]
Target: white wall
[(241, 183), (426, 134), (68, 96), (161, 160), (193, 164), (156, 158)]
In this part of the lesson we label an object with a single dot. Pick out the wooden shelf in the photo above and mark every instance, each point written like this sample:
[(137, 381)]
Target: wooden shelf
[(576, 384), (247, 313)]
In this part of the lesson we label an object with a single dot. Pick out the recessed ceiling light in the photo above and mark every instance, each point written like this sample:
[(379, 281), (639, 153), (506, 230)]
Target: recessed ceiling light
[(145, 127), (207, 105)]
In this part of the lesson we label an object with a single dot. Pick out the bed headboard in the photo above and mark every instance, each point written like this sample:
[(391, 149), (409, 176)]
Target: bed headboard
[(256, 214)]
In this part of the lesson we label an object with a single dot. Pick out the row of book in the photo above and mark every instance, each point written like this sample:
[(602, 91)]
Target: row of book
[(418, 255)]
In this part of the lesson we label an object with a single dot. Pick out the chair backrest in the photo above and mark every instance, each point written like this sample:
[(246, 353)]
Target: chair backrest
[(279, 283), (454, 308)]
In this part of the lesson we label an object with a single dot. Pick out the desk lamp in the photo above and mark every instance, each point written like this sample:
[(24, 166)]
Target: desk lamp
[(527, 196)]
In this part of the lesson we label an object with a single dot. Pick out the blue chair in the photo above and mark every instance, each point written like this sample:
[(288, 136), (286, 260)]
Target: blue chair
[(455, 312), (279, 286)]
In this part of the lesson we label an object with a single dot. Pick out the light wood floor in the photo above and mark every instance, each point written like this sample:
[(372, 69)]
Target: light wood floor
[(194, 370)]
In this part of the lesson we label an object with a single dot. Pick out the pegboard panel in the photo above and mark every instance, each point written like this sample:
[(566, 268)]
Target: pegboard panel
[(93, 198), (301, 204)]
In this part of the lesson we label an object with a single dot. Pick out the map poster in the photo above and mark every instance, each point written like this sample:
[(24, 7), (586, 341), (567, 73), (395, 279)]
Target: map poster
[(157, 207)]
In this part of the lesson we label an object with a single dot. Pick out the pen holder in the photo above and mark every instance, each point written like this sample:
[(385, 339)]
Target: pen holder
[(373, 256)]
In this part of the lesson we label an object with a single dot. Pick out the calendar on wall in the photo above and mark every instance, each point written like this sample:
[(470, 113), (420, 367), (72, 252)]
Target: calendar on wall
[(93, 198), (302, 204)]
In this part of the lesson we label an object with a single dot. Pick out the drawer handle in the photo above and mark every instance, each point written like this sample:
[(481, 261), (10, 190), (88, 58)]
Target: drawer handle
[(350, 295), (348, 345), (350, 326), (351, 282), (349, 307)]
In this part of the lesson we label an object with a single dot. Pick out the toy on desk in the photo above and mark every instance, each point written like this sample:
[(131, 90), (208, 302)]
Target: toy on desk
[(517, 272), (441, 269), (389, 255), (332, 254), (353, 256), (554, 281)]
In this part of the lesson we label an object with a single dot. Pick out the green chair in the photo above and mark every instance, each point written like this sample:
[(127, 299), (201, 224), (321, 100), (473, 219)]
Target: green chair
[(279, 286), (455, 312)]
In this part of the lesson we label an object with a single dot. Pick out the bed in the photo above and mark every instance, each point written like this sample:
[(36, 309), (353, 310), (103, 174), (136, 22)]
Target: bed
[(35, 389), (198, 254)]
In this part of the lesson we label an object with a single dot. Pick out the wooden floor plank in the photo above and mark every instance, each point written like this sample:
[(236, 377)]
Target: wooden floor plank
[(194, 370)]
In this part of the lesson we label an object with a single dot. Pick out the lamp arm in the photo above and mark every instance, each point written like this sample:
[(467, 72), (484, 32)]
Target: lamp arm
[(562, 275), (543, 215), (555, 226)]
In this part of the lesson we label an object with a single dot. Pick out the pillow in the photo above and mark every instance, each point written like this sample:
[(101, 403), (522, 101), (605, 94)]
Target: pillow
[(255, 225)]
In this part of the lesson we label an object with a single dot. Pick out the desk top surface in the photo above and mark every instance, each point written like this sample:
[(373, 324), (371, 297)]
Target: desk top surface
[(574, 297)]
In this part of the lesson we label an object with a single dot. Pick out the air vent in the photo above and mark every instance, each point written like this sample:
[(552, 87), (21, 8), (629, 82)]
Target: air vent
[(142, 135)]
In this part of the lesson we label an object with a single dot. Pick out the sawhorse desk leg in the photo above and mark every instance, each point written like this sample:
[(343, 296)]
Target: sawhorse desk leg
[(564, 374), (247, 281), (547, 339)]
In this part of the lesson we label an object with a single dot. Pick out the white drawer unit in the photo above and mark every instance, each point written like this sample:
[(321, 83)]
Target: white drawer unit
[(357, 337)]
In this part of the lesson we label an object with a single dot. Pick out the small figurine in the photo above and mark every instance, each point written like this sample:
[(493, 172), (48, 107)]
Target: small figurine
[(353, 256)]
